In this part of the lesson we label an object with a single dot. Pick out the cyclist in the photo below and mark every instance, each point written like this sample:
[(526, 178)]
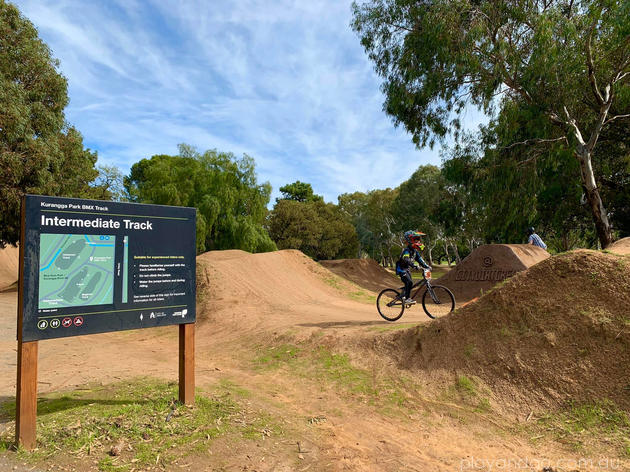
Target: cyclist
[(410, 258)]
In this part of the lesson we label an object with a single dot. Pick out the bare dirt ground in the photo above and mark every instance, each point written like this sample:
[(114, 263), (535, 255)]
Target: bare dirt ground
[(250, 303), (9, 260), (621, 246), (366, 273)]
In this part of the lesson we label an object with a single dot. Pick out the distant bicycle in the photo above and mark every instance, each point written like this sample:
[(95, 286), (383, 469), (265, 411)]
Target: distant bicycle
[(437, 300)]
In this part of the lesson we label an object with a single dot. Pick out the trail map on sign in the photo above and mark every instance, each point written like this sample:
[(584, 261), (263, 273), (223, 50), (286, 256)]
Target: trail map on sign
[(76, 270)]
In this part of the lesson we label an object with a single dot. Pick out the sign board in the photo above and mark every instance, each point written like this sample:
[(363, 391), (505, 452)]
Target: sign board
[(95, 266)]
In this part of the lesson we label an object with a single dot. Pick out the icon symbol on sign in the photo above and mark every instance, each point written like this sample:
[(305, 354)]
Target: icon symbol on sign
[(42, 324), (66, 322), (55, 323), (78, 320)]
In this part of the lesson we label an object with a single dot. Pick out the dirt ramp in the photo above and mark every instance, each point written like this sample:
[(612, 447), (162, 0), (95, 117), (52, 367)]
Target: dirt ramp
[(366, 273), (273, 288), (556, 332), (9, 266), (489, 264), (620, 247)]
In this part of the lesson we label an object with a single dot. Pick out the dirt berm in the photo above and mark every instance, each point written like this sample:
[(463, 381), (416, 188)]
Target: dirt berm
[(9, 266), (487, 265), (366, 273), (557, 332), (620, 247), (260, 292)]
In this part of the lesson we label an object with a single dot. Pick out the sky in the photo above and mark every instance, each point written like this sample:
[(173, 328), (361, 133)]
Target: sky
[(286, 82)]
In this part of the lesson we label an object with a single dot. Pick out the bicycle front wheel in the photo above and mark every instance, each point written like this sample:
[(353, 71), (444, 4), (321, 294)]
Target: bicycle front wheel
[(439, 303), (390, 305)]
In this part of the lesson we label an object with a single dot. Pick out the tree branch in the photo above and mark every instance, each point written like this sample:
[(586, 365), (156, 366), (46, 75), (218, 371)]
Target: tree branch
[(616, 117), (537, 141), (591, 68)]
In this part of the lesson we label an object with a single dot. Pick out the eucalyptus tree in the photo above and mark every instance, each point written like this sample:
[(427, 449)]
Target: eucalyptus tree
[(567, 59)]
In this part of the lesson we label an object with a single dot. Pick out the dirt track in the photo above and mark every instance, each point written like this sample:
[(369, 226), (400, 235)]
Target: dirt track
[(258, 299), (9, 261)]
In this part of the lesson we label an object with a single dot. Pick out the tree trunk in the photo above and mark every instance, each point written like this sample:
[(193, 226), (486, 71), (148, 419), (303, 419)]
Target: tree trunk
[(448, 257), (600, 217), (457, 258)]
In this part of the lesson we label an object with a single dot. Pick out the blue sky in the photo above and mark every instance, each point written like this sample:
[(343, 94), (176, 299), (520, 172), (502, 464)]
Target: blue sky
[(286, 82)]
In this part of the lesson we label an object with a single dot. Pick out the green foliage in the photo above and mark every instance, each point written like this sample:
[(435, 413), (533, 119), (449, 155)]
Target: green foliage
[(436, 57), (93, 420), (143, 419), (418, 200), (39, 152), (231, 205), (316, 228), (110, 184), (565, 63), (465, 385), (372, 216), (510, 189), (579, 422), (300, 192)]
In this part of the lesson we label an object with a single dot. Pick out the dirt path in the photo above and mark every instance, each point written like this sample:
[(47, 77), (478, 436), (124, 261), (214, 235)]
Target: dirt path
[(284, 295)]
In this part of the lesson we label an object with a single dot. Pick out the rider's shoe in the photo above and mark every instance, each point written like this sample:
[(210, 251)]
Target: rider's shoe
[(410, 301)]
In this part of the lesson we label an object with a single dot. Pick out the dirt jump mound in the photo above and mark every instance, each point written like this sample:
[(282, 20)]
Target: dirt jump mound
[(620, 247), (559, 331), (489, 264), (9, 266), (269, 290), (366, 273)]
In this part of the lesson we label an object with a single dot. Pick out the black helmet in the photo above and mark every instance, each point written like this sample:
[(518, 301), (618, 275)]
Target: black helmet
[(530, 230)]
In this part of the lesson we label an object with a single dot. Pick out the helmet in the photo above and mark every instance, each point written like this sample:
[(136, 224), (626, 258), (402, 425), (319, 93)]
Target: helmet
[(530, 230), (414, 239)]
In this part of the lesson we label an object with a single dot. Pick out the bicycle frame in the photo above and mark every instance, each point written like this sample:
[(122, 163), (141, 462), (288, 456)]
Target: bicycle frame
[(419, 286)]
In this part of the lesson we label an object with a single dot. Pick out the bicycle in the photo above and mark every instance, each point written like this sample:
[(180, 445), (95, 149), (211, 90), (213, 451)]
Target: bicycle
[(437, 300)]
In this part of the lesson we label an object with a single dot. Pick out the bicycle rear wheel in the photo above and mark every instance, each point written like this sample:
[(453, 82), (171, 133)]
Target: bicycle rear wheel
[(440, 304), (389, 304)]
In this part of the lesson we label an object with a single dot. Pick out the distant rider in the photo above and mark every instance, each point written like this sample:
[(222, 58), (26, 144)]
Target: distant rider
[(410, 258), (534, 239)]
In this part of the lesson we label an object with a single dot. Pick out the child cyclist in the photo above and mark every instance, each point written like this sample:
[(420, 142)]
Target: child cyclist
[(410, 258)]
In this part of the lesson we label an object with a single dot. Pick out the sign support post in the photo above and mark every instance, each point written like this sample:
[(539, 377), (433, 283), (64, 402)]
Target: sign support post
[(187, 363), (26, 397), (26, 385)]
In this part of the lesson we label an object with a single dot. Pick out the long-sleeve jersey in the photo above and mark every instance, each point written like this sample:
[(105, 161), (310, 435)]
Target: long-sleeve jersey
[(409, 258)]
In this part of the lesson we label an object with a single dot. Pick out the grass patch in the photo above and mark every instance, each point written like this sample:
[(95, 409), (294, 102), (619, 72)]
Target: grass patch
[(469, 392), (362, 296), (392, 327), (277, 356), (465, 385), (505, 332), (583, 423), (338, 369), (333, 282), (134, 425), (470, 350), (329, 368)]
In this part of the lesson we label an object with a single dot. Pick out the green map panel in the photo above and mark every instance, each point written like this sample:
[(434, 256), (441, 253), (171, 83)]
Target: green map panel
[(76, 270)]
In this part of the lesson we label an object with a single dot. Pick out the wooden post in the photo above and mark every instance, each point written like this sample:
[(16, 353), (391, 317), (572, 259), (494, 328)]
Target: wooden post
[(26, 386), (187, 363), (26, 397)]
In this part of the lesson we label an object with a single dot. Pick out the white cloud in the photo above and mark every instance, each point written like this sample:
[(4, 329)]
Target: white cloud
[(286, 82)]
